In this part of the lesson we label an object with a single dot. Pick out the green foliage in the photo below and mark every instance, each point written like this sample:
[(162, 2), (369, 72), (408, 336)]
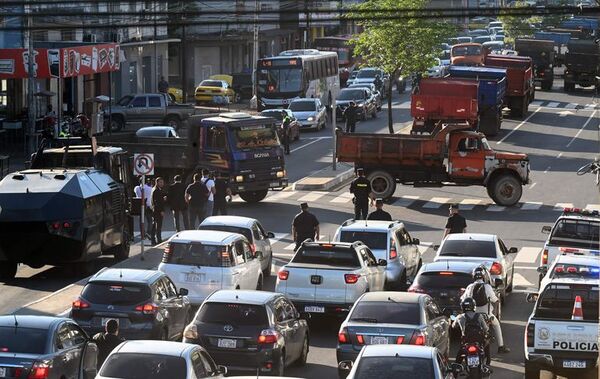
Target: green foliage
[(518, 26)]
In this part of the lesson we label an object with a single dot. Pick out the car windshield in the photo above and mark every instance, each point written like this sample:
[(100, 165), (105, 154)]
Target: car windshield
[(466, 50), (231, 229), (394, 367), (443, 279), (557, 301), (255, 136), (387, 312), (352, 94), (576, 233), (144, 366), (468, 248), (197, 254), (277, 80), (302, 106), (116, 293), (211, 83), (22, 340), (367, 74), (277, 115), (331, 256), (374, 240), (235, 314)]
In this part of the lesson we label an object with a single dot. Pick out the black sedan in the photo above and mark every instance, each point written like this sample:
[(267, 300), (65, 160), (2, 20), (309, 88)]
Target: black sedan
[(250, 331), (45, 347)]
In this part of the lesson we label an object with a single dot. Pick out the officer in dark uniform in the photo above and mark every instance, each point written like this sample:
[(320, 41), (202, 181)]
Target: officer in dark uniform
[(361, 189), (379, 214), (305, 225), (456, 223), (350, 114), (285, 133)]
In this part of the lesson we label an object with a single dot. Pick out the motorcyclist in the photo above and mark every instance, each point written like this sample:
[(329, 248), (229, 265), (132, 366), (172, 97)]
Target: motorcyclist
[(473, 327), (486, 299)]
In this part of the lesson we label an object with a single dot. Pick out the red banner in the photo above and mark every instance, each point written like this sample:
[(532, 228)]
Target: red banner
[(14, 63), (86, 60)]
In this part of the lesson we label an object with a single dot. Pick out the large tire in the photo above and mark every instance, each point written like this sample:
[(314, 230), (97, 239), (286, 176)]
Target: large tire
[(254, 196), (8, 270), (173, 121), (117, 123), (506, 190), (383, 184)]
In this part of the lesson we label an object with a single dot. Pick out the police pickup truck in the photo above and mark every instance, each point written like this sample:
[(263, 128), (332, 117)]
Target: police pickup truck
[(562, 332)]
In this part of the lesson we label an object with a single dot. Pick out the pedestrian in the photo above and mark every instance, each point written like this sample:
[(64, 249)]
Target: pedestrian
[(285, 133), (163, 85), (147, 188), (196, 195), (176, 199), (379, 214), (107, 341), (209, 182), (304, 226), (456, 223), (350, 115), (378, 83), (222, 195), (361, 189), (158, 210)]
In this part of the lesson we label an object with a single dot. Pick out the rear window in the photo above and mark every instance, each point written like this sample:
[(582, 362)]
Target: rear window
[(116, 293), (22, 340), (147, 366), (394, 367), (198, 254), (576, 233), (334, 257), (557, 301), (468, 248), (231, 229), (387, 312), (234, 314), (443, 279), (374, 240)]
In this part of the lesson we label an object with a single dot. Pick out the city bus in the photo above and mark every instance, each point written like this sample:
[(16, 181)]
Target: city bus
[(297, 74), (346, 59)]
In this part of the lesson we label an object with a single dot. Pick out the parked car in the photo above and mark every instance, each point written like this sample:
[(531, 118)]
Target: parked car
[(160, 360), (146, 304), (278, 115), (363, 99), (484, 249), (478, 33), (382, 318), (387, 240), (205, 261), (45, 347), (157, 132), (175, 95), (310, 113), (376, 94), (254, 331), (214, 91), (398, 361), (250, 228)]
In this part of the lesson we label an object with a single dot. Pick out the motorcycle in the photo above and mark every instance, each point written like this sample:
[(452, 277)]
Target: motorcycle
[(473, 358)]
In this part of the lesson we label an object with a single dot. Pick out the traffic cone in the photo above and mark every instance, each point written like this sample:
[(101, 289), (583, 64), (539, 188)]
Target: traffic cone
[(577, 310)]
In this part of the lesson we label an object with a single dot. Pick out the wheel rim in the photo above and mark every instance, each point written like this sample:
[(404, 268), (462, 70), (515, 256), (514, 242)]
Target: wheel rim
[(507, 190), (379, 185)]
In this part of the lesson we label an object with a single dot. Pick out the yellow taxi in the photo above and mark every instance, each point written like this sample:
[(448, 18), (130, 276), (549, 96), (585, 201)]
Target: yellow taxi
[(176, 95), (215, 90)]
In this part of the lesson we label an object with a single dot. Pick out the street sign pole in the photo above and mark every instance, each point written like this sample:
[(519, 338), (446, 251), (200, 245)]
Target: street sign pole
[(143, 164), (142, 213)]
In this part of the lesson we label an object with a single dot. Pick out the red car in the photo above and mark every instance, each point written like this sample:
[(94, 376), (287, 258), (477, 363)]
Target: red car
[(278, 115)]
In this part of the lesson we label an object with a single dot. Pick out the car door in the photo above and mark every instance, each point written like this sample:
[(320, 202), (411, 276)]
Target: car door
[(156, 110), (166, 308), (438, 324), (266, 242), (284, 327), (403, 249), (71, 340), (412, 253), (178, 305), (135, 110), (507, 260), (259, 244), (467, 158), (253, 267), (375, 273)]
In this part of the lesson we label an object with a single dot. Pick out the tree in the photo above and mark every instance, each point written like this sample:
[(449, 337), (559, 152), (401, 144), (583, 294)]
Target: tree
[(518, 26), (399, 46)]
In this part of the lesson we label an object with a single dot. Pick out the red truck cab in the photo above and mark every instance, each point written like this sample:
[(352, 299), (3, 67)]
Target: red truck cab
[(467, 54)]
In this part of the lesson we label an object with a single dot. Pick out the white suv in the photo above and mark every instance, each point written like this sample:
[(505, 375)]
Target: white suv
[(206, 261), (387, 240)]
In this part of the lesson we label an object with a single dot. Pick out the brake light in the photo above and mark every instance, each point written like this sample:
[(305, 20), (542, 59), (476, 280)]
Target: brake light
[(360, 339), (418, 338), (446, 273), (147, 309), (268, 336), (56, 225), (400, 340), (39, 370), (559, 269), (572, 270), (415, 289), (80, 304), (530, 335), (472, 349), (545, 257), (351, 278), (569, 250), (496, 269), (393, 253), (343, 336), (283, 274), (167, 254)]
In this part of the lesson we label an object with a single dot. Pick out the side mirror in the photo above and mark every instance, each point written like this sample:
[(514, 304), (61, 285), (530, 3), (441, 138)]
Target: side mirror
[(345, 367), (382, 262), (270, 235), (223, 370), (416, 241), (542, 270), (532, 297), (513, 250), (497, 282), (546, 229), (183, 292)]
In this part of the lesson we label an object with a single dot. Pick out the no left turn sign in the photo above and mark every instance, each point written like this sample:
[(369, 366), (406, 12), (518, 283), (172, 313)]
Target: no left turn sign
[(143, 164)]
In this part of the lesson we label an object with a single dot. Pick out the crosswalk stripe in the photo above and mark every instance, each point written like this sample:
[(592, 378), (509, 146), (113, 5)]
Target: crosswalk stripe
[(436, 202), (561, 206), (571, 106), (343, 198), (404, 105), (405, 201), (292, 245), (495, 208), (536, 103), (531, 206), (552, 104), (593, 207), (278, 237), (527, 255), (469, 204), (312, 196), (281, 195), (590, 106)]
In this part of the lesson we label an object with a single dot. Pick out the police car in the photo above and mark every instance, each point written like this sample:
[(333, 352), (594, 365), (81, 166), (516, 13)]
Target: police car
[(576, 231), (571, 266)]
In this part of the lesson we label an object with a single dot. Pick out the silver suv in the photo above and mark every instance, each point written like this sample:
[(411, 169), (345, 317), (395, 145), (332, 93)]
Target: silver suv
[(387, 240)]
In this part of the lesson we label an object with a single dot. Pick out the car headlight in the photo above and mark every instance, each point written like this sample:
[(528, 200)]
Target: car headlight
[(239, 178), (280, 174), (191, 332), (311, 118), (361, 104)]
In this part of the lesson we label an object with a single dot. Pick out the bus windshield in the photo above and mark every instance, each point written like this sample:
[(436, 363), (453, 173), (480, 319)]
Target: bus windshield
[(280, 80), (255, 136)]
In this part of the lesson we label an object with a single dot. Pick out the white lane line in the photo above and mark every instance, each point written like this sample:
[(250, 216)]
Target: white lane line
[(561, 206), (518, 126), (405, 201), (495, 208), (547, 169), (343, 198), (583, 127), (552, 105), (590, 106), (531, 206), (313, 196), (527, 255), (307, 144), (533, 185), (559, 155), (469, 204), (520, 281), (436, 202), (593, 207), (571, 106)]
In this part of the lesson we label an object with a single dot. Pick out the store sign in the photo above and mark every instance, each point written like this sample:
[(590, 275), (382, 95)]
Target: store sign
[(86, 60)]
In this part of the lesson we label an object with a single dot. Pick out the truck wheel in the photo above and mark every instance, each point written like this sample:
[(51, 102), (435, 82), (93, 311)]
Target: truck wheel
[(531, 373), (547, 85), (173, 122), (506, 190), (8, 270), (253, 196), (117, 124), (383, 184)]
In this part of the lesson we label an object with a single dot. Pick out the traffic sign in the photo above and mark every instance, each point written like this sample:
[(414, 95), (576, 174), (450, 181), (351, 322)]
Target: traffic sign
[(143, 164)]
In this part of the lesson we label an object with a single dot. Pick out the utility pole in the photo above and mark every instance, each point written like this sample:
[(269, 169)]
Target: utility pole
[(255, 47), (183, 56), (31, 108)]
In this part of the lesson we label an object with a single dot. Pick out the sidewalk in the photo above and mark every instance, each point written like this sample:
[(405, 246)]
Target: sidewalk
[(325, 179)]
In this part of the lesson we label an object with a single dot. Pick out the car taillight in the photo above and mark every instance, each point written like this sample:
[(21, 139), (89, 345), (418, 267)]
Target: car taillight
[(167, 254), (415, 289), (360, 339), (418, 338), (472, 349), (343, 336), (283, 274), (147, 309), (530, 335), (351, 278), (545, 257), (496, 269), (572, 270), (559, 269), (400, 340), (268, 336), (80, 304), (393, 254), (39, 370)]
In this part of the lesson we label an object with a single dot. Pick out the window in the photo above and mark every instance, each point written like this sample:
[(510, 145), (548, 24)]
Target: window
[(262, 230), (23, 340), (368, 257), (576, 233), (468, 144), (170, 287), (160, 291), (198, 254), (247, 251), (471, 248), (280, 314), (115, 293), (406, 237), (232, 313), (76, 335), (216, 138), (66, 337), (154, 101), (256, 232), (387, 312), (342, 257), (139, 102), (138, 365), (375, 240), (401, 239), (503, 247), (556, 302), (209, 363)]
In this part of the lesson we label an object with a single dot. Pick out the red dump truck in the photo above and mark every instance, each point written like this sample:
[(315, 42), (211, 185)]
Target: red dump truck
[(446, 100), (520, 89), (452, 155)]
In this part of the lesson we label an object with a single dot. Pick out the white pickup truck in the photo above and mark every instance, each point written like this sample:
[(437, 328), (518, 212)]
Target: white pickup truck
[(330, 277), (562, 332)]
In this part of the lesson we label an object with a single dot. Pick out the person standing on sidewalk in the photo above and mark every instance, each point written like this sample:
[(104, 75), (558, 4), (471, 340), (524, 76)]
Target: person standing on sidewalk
[(361, 189), (148, 203), (196, 195), (176, 197), (158, 210), (208, 180), (223, 193)]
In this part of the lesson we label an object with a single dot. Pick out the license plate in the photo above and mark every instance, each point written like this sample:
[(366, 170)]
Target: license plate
[(473, 360), (227, 343), (2, 372), (105, 320), (379, 340), (275, 184), (314, 309), (193, 277), (574, 364)]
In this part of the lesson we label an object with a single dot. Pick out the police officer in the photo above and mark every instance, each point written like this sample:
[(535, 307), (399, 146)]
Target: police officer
[(285, 133), (350, 114), (361, 189), (379, 214), (305, 225), (456, 223)]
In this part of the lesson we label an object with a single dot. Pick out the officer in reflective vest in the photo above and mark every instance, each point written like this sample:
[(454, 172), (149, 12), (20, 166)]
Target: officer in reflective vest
[(361, 189)]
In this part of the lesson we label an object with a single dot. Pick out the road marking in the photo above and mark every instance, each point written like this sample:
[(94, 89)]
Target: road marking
[(307, 144), (527, 255), (469, 204), (281, 195), (571, 106), (531, 206), (495, 208), (404, 105), (533, 185), (278, 237), (552, 105), (559, 155), (536, 103), (436, 202), (343, 198), (520, 281), (593, 207), (561, 206), (405, 201), (583, 127), (590, 106), (547, 169), (292, 245), (518, 127), (313, 196)]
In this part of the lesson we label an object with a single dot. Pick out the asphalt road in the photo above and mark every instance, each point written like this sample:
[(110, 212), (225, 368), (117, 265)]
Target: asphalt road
[(560, 134)]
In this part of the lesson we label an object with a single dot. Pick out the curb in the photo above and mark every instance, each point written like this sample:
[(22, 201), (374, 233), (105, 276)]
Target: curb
[(328, 185)]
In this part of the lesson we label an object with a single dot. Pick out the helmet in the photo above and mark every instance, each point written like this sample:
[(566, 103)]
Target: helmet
[(468, 304), (479, 273)]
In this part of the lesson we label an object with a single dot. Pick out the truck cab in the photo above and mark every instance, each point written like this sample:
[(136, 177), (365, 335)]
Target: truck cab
[(467, 54)]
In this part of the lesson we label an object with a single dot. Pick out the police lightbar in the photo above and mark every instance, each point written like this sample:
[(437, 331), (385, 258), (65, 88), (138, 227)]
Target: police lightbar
[(591, 271), (586, 212)]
